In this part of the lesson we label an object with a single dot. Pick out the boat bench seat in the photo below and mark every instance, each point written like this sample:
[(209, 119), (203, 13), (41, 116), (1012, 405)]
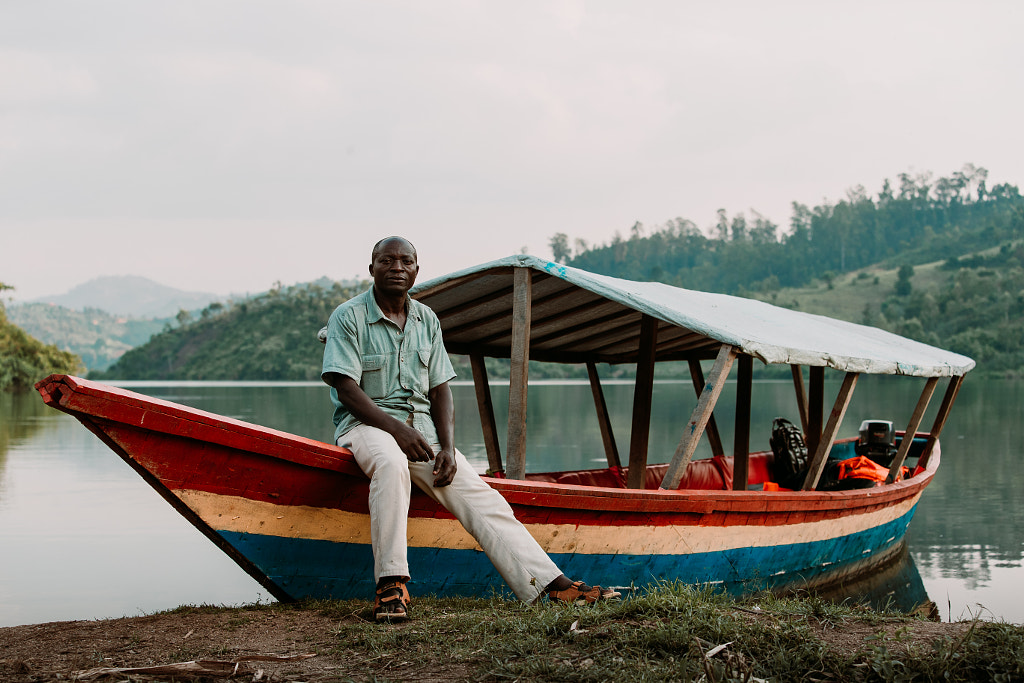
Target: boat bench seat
[(714, 474), (546, 477), (606, 478), (703, 475), (709, 474)]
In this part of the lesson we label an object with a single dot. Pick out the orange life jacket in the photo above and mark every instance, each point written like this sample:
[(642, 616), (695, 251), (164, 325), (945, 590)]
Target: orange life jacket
[(863, 467)]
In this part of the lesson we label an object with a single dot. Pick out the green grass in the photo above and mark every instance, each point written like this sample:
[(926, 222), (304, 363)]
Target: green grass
[(849, 292), (667, 632), (677, 632)]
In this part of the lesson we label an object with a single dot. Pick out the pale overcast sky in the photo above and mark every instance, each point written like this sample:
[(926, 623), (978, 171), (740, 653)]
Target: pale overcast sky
[(223, 146)]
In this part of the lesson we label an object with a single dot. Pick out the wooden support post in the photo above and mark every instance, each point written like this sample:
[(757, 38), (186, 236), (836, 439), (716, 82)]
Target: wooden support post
[(714, 438), (815, 408), (828, 437), (699, 418), (908, 436), (611, 451), (643, 393), (741, 434), (486, 408), (801, 396), (519, 374), (940, 418)]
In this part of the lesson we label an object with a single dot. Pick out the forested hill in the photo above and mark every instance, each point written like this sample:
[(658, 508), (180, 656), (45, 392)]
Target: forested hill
[(920, 221), (24, 360), (269, 337)]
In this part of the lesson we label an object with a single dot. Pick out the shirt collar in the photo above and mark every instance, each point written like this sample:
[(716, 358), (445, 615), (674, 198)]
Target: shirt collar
[(374, 314)]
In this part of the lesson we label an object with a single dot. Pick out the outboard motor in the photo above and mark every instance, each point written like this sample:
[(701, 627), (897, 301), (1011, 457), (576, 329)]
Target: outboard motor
[(877, 441)]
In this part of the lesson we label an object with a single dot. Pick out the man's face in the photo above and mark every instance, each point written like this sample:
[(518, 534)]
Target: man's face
[(394, 267)]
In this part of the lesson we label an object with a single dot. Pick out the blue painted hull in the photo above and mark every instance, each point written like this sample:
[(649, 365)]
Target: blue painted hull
[(322, 569)]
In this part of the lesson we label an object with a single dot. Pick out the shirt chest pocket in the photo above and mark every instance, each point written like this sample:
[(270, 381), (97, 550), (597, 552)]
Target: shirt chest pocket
[(373, 381), (423, 368)]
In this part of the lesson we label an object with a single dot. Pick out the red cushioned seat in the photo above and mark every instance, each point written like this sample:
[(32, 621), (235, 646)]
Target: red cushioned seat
[(760, 467), (708, 474), (704, 475), (590, 478), (655, 473)]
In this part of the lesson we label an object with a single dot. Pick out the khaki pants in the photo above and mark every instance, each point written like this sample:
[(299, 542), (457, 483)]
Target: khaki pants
[(519, 559)]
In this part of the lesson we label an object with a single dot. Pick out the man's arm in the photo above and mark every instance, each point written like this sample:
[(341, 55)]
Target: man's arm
[(442, 412), (366, 411)]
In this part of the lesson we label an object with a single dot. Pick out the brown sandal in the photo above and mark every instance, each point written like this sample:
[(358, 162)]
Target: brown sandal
[(580, 593), (392, 602)]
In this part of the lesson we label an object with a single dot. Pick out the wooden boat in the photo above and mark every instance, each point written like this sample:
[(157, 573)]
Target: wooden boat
[(293, 513)]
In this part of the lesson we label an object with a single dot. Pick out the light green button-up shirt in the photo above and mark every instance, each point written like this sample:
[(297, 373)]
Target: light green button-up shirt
[(396, 368)]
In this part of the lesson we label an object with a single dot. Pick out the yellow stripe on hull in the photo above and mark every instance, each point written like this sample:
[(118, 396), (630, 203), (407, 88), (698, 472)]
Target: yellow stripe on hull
[(242, 515)]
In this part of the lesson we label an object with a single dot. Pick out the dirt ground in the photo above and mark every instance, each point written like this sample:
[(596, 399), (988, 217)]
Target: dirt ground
[(82, 650), (264, 645), (66, 650)]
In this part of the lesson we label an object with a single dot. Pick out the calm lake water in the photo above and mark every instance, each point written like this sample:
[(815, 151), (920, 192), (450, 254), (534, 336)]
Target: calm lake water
[(83, 537)]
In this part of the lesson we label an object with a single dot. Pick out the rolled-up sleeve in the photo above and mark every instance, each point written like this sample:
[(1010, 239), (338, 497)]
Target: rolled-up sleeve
[(440, 369), (341, 352)]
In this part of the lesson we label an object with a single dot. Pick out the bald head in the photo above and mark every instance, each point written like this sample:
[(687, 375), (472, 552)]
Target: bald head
[(377, 248)]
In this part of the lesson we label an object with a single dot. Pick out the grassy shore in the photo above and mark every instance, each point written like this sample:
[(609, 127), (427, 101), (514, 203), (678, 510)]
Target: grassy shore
[(672, 632)]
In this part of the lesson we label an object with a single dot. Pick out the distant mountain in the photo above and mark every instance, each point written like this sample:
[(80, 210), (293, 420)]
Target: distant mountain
[(271, 336), (130, 295), (97, 337), (84, 324)]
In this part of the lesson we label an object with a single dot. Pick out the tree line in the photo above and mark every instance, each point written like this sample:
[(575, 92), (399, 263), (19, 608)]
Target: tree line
[(916, 220), (24, 360), (977, 310)]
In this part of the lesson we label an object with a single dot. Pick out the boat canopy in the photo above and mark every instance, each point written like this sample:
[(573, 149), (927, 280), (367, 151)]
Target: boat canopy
[(577, 317)]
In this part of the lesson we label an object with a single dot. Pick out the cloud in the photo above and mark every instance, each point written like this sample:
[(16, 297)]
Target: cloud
[(30, 79)]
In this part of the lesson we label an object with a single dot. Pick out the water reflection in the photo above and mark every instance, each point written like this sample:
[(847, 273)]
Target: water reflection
[(21, 416), (82, 536), (303, 409), (896, 586), (980, 482)]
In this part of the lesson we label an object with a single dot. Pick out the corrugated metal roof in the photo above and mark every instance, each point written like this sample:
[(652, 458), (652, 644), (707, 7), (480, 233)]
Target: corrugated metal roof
[(579, 316)]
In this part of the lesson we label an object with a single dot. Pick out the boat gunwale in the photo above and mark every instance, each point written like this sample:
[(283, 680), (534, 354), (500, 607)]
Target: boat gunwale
[(325, 455)]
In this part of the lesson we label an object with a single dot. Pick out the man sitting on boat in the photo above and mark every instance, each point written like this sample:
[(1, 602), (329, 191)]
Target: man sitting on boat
[(388, 369)]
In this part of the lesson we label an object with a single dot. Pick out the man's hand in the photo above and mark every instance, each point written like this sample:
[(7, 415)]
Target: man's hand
[(413, 444), (442, 411), (444, 468)]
